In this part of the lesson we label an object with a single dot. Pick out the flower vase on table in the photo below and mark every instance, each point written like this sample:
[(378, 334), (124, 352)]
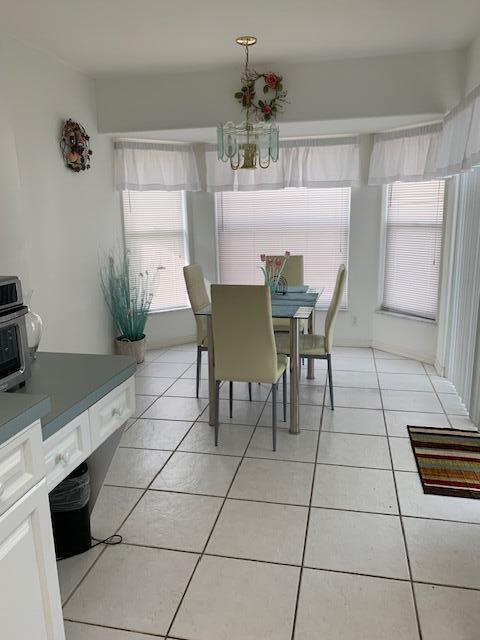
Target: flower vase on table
[(273, 272)]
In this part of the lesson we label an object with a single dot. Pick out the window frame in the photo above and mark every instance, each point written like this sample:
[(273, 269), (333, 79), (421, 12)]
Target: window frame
[(186, 240), (323, 307), (383, 254)]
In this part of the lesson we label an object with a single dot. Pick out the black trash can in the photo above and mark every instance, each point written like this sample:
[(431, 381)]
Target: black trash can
[(69, 506)]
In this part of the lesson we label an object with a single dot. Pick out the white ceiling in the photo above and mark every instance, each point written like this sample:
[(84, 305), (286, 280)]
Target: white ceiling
[(102, 37)]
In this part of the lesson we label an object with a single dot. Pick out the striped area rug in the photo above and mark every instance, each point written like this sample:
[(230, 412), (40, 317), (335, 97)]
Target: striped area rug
[(448, 460)]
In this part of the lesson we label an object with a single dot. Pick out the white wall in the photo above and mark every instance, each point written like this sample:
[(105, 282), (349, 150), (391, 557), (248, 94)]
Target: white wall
[(360, 325), (472, 79), (421, 83), (54, 222)]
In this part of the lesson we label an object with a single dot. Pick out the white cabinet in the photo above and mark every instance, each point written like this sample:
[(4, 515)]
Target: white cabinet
[(111, 412), (30, 606), (21, 465), (66, 449)]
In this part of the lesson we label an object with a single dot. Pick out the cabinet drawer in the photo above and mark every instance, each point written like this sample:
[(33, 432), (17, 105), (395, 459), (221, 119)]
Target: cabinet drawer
[(66, 449), (21, 465), (109, 413)]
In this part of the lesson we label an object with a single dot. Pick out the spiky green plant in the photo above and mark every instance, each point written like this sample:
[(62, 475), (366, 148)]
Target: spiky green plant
[(128, 296)]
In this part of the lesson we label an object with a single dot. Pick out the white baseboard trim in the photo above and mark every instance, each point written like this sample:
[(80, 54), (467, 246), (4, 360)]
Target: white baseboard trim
[(352, 343), (428, 358), (375, 344), (174, 342), (439, 368)]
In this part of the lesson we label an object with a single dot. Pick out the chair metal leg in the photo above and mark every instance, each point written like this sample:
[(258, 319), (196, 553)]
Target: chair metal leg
[(250, 391), (217, 404), (274, 416), (230, 390), (199, 367), (284, 390), (330, 381)]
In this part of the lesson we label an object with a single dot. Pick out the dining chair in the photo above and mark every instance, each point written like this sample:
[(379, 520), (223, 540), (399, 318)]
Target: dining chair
[(316, 346), (244, 343), (293, 274), (199, 298)]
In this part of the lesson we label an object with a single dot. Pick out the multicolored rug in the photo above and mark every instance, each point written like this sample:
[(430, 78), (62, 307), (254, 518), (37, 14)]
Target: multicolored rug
[(448, 460)]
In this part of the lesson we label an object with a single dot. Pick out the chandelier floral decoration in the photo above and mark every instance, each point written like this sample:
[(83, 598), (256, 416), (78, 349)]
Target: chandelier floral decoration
[(254, 141)]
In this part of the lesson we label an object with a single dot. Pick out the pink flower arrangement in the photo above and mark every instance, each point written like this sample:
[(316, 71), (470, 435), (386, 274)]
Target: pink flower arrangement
[(271, 80), (274, 266)]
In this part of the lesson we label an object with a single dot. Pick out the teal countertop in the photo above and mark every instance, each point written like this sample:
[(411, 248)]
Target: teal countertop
[(18, 411), (62, 386)]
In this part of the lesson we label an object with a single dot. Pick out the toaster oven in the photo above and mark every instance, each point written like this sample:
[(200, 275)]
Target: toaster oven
[(14, 355)]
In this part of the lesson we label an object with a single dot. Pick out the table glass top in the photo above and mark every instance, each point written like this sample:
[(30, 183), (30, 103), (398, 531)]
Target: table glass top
[(297, 302)]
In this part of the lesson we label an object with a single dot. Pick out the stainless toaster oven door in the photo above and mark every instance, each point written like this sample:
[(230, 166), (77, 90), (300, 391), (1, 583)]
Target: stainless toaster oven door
[(14, 365)]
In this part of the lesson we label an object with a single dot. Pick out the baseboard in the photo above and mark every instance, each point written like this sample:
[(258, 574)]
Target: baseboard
[(351, 343), (375, 344), (414, 355), (174, 342), (439, 368)]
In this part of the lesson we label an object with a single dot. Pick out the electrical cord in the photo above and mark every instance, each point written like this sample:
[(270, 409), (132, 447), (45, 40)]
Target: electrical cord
[(110, 541)]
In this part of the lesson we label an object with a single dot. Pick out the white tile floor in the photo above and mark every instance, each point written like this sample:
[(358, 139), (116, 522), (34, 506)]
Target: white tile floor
[(330, 537)]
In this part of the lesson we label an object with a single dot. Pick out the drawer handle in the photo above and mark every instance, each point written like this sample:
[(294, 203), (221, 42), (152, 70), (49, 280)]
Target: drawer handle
[(62, 458), (117, 413), (2, 489)]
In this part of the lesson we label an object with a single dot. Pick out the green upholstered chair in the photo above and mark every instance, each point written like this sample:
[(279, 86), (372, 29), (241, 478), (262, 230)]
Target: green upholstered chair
[(316, 346), (244, 342), (199, 298)]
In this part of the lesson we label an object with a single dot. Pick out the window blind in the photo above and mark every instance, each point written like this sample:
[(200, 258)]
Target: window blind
[(155, 235), (309, 222), (413, 246)]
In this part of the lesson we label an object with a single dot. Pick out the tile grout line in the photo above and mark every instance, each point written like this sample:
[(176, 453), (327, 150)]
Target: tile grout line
[(244, 456), (292, 504), (202, 554), (297, 599), (144, 491), (106, 626), (414, 599)]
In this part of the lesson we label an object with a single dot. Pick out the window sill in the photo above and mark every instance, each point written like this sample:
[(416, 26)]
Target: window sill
[(404, 316), (154, 312)]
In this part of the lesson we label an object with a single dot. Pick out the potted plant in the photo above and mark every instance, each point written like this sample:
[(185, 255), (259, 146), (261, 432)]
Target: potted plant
[(128, 297)]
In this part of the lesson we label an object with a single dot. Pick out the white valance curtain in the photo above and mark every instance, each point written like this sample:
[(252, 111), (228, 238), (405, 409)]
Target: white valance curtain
[(312, 163), (423, 153), (406, 155), (154, 166)]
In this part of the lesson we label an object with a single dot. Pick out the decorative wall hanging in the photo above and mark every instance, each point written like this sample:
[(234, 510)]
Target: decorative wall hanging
[(256, 139), (75, 146)]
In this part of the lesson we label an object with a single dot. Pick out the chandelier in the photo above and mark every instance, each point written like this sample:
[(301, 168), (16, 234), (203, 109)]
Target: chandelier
[(253, 142)]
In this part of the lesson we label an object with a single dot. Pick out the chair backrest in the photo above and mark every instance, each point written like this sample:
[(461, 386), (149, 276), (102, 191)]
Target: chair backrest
[(293, 271), (243, 333), (198, 296), (334, 307)]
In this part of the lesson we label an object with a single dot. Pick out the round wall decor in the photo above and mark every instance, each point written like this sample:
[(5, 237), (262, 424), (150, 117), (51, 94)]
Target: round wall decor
[(75, 146)]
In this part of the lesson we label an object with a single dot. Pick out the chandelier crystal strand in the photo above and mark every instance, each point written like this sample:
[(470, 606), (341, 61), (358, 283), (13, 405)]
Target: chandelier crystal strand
[(252, 143)]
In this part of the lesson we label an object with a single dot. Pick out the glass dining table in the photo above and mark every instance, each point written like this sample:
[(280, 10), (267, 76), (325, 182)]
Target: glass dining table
[(297, 303)]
